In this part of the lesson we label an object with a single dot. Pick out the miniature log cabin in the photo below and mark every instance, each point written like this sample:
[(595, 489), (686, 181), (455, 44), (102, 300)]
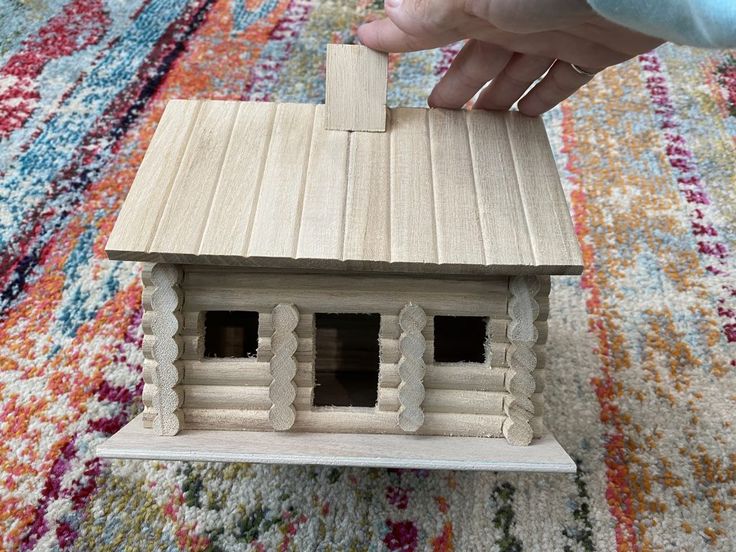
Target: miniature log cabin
[(346, 268)]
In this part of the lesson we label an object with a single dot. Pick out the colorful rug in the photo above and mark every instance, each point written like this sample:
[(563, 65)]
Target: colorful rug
[(642, 348)]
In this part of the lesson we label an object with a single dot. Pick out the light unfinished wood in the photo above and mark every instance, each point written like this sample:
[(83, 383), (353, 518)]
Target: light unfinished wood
[(304, 350), (411, 367), (363, 450), (239, 186), (192, 347), (238, 372), (347, 420), (237, 398), (538, 427), (551, 231), (413, 230), (305, 338), (449, 401), (355, 88), (138, 219), (459, 235), (368, 204), (282, 184), (390, 328), (390, 351), (273, 189), (323, 216), (304, 329), (231, 277), (455, 376), (522, 334), (164, 351), (523, 310), (282, 390), (305, 198), (187, 207), (192, 323), (311, 301), (503, 222)]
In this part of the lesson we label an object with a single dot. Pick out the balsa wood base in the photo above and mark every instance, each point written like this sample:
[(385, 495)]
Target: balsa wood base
[(362, 450)]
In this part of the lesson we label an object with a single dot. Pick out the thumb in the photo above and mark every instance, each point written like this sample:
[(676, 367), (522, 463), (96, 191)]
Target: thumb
[(412, 25)]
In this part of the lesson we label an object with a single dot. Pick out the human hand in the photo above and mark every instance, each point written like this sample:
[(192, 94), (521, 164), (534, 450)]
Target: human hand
[(512, 43)]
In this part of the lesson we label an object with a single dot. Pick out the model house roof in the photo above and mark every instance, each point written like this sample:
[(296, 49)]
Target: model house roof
[(267, 185)]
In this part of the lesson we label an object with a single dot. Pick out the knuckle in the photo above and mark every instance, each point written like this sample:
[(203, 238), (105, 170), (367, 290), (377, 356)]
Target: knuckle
[(467, 78)]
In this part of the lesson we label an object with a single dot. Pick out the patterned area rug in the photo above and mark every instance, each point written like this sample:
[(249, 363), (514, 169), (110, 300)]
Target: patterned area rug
[(642, 348)]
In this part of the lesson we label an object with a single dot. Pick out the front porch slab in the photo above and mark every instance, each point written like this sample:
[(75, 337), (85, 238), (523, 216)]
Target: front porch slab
[(134, 442)]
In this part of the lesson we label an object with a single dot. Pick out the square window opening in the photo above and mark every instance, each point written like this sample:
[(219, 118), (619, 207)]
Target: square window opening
[(230, 334), (460, 338), (347, 359)]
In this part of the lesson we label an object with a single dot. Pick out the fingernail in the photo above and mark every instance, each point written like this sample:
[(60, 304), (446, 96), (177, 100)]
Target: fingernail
[(392, 3)]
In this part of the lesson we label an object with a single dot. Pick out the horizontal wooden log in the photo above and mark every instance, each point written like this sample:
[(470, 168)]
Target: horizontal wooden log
[(147, 297), (233, 397), (193, 323), (543, 302), (538, 402), (448, 401), (148, 418), (347, 301), (497, 330), (251, 373), (346, 420), (542, 330), (538, 427), (305, 345), (459, 376), (193, 347), (204, 276), (496, 353), (540, 377), (239, 372)]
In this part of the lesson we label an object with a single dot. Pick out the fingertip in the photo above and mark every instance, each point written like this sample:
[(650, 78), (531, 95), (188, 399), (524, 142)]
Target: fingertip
[(534, 111), (432, 100), (383, 35), (365, 34), (531, 108)]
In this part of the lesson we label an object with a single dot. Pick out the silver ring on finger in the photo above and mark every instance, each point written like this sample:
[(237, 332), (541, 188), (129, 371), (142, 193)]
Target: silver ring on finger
[(580, 71)]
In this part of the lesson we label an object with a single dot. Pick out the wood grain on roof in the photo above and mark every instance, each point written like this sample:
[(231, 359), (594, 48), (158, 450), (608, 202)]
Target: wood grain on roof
[(265, 185)]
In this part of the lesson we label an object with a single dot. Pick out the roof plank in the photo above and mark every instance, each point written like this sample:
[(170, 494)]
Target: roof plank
[(367, 205), (278, 212), (548, 217), (226, 233), (139, 216), (413, 234), (323, 215), (185, 214), (459, 238), (505, 232)]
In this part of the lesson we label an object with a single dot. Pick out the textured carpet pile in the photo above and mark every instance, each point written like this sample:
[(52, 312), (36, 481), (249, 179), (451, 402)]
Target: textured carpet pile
[(642, 387)]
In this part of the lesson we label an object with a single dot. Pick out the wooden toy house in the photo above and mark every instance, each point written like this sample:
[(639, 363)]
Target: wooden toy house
[(344, 270)]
